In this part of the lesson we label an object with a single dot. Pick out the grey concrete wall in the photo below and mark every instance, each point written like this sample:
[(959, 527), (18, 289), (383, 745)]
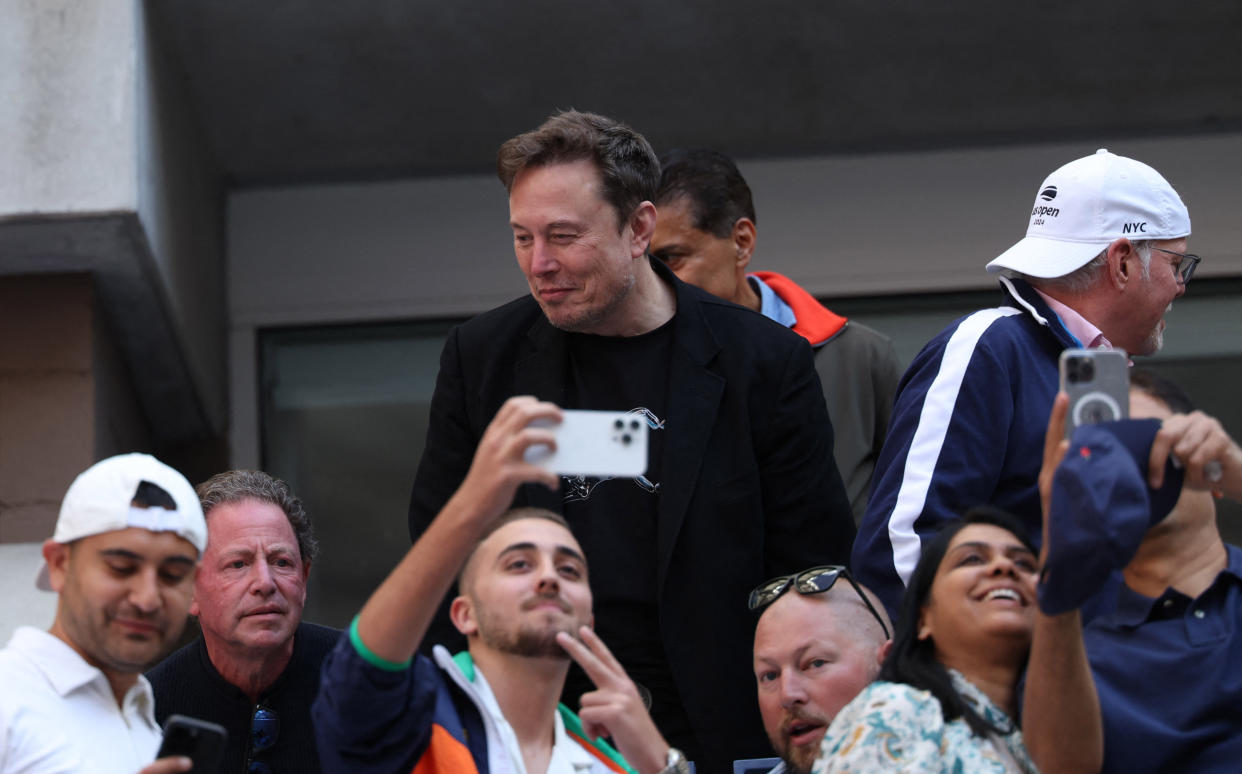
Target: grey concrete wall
[(859, 225), (67, 72), (22, 604), (105, 172), (180, 206)]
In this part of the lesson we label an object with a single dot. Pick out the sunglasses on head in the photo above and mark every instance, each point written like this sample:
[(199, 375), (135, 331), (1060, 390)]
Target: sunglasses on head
[(816, 580)]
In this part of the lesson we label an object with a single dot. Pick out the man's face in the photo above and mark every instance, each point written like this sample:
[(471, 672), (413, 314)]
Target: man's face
[(712, 263), (1154, 297), (527, 582), (123, 595), (578, 264), (252, 585), (809, 663)]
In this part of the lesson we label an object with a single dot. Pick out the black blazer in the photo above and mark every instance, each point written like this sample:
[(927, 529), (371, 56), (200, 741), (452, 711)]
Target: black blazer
[(748, 489)]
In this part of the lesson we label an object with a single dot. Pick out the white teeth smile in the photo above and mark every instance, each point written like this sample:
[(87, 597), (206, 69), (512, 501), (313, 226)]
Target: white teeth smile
[(1002, 594)]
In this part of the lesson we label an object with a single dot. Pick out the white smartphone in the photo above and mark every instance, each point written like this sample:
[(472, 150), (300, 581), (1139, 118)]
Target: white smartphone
[(595, 443), (1098, 383)]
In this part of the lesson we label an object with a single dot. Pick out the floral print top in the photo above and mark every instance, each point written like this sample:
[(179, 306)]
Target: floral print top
[(897, 727)]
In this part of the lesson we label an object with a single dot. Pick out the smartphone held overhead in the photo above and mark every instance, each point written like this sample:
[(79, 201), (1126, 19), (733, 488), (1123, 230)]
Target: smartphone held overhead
[(595, 443), (1098, 384)]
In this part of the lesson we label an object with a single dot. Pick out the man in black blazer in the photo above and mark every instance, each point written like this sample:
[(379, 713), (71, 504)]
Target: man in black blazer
[(741, 484)]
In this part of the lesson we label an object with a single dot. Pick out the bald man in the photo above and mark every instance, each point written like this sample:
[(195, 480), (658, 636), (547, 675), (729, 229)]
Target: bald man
[(814, 651)]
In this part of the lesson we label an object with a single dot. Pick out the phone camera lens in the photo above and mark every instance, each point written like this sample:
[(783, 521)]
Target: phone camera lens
[(634, 425), (1080, 370), (625, 439), (618, 424)]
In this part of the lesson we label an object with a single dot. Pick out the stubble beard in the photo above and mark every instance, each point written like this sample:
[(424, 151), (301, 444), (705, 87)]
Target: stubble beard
[(1155, 339), (526, 638), (589, 320), (527, 641), (798, 760), (93, 632)]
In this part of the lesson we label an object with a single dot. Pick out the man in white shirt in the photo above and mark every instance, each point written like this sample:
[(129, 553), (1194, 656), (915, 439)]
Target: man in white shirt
[(122, 559)]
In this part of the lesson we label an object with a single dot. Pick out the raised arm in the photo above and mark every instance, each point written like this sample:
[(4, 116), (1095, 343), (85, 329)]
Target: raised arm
[(396, 617), (1061, 721)]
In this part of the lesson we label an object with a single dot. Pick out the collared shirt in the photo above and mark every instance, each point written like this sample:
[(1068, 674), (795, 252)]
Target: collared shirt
[(568, 757), (771, 305), (1089, 336), (58, 714), (1169, 676)]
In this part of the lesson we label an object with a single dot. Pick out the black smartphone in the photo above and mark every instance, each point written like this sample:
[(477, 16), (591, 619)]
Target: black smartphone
[(198, 740)]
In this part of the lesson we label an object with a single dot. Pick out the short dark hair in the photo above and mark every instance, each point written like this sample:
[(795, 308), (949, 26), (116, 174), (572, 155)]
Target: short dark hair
[(236, 485), (710, 182), (1163, 390), (508, 517), (913, 661), (627, 164)]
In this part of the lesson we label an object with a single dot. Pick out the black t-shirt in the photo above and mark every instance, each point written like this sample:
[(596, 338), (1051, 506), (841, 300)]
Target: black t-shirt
[(615, 519)]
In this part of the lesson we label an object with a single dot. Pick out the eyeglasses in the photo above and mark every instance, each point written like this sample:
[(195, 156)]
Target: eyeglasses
[(1184, 269), (264, 728), (816, 580)]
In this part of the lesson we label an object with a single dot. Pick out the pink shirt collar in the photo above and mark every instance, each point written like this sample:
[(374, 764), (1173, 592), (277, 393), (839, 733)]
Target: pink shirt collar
[(1078, 326)]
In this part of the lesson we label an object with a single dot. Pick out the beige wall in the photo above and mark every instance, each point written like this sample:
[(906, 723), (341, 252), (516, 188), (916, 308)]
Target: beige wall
[(47, 411), (64, 399)]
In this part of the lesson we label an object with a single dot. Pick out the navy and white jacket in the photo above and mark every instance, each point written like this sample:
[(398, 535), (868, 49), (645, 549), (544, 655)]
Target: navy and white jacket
[(967, 428)]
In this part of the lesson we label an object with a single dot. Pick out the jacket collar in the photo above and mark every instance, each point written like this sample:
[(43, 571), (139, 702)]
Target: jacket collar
[(1019, 293), (1133, 609), (461, 670)]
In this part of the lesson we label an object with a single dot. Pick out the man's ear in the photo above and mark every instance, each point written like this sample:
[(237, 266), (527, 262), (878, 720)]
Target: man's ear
[(1121, 262), (744, 237), (461, 612), (642, 227), (57, 557)]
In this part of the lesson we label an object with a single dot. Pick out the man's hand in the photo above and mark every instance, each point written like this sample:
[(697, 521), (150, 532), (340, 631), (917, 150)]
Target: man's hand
[(170, 765), (499, 465), (1211, 459), (396, 617), (614, 708)]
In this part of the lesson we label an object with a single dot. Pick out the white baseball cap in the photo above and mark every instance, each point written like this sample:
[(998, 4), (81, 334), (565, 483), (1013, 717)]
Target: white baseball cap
[(100, 500), (1085, 205)]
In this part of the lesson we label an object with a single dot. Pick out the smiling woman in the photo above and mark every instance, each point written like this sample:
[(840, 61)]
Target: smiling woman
[(946, 696)]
